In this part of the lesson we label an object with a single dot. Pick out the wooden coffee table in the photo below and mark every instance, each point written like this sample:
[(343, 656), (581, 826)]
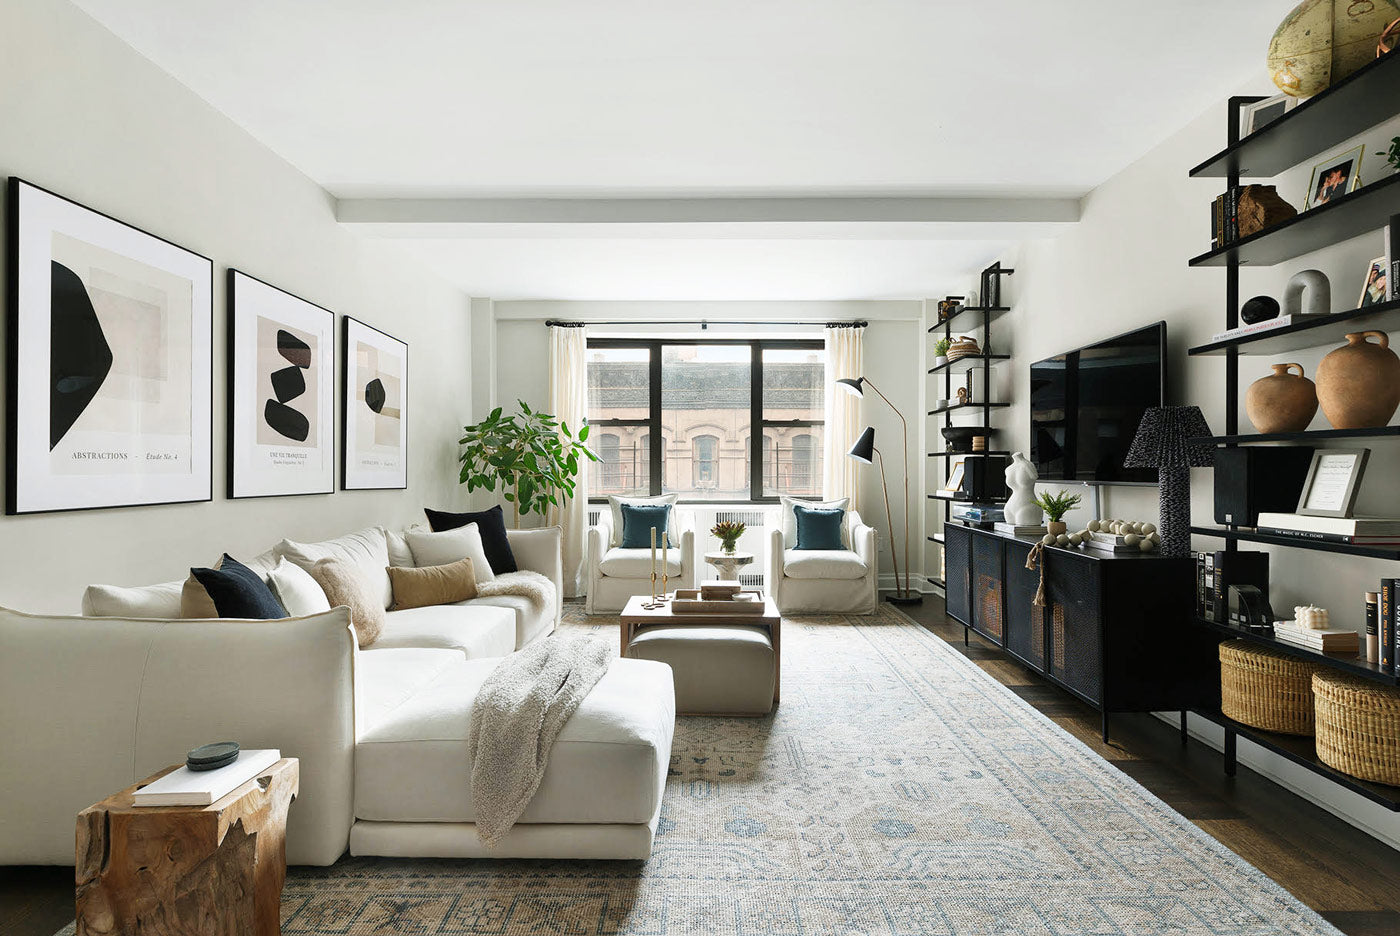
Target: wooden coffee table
[(635, 616)]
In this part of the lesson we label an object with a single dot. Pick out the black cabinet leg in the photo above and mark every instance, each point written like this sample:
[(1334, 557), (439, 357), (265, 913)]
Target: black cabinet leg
[(965, 642), (1105, 726), (1229, 752), (1184, 735)]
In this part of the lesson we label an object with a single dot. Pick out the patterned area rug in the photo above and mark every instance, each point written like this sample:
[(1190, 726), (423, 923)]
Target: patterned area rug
[(898, 790)]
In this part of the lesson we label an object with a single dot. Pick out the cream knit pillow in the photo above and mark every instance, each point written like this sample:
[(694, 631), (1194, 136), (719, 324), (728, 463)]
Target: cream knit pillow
[(345, 586)]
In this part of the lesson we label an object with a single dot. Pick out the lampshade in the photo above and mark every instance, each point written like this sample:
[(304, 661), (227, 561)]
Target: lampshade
[(852, 385), (864, 449), (1164, 439)]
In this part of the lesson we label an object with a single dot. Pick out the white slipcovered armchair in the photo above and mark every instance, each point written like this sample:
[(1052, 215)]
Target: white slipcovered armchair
[(824, 581), (616, 574)]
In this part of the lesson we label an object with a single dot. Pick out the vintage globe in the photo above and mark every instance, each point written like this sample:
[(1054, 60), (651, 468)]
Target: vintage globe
[(1322, 41)]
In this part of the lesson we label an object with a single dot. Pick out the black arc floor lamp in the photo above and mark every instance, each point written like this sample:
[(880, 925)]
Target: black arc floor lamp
[(864, 451)]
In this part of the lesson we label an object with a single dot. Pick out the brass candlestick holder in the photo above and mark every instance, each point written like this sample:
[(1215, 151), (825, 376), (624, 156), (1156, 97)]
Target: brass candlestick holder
[(653, 604), (665, 590)]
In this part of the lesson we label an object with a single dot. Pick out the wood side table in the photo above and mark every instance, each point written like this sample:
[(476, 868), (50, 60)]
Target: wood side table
[(212, 870)]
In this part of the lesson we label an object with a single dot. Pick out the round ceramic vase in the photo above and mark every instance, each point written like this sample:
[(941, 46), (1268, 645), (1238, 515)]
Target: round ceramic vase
[(1281, 402), (1358, 384)]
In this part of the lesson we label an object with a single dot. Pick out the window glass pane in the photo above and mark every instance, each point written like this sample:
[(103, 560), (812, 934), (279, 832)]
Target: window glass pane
[(617, 383), (792, 461), (705, 396), (794, 383), (625, 463)]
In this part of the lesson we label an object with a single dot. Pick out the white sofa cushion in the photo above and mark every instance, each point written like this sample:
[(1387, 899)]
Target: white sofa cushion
[(367, 549), (296, 589), (615, 509), (789, 518), (823, 564), (143, 601), (386, 679), (607, 765), (528, 623), (636, 563), (475, 631), (434, 549)]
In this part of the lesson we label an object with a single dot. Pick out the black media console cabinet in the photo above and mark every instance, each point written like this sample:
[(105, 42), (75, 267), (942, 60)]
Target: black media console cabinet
[(1114, 630)]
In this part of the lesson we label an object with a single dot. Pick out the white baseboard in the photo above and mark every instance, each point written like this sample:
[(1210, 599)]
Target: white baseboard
[(919, 583), (1372, 818)]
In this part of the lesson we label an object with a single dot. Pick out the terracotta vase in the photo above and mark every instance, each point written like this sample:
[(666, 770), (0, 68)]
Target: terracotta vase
[(1281, 402), (1358, 384)]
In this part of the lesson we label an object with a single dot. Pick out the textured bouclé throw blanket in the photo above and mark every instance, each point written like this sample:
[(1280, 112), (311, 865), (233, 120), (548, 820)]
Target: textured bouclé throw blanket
[(518, 713), (533, 586)]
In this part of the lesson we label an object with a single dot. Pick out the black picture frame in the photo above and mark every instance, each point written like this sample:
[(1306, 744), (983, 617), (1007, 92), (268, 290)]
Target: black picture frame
[(352, 478), (18, 447)]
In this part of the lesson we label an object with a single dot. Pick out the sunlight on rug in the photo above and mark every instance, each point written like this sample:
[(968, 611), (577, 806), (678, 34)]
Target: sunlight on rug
[(898, 790)]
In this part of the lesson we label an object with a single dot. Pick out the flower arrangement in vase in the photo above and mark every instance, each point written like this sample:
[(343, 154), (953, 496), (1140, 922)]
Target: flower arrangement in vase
[(728, 533)]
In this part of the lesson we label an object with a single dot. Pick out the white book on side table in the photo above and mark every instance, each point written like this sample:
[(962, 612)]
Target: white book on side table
[(185, 787)]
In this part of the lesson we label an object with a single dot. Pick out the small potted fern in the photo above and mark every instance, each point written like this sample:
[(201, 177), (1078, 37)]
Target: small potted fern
[(1056, 506), (940, 352)]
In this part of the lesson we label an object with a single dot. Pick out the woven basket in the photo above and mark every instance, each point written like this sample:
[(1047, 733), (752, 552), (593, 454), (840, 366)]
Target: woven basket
[(963, 346), (1358, 726), (1266, 689)]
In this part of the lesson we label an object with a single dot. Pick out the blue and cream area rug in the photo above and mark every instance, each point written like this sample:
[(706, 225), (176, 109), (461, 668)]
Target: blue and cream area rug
[(897, 790)]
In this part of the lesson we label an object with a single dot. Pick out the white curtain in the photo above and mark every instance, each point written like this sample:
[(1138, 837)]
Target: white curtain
[(568, 401), (840, 473)]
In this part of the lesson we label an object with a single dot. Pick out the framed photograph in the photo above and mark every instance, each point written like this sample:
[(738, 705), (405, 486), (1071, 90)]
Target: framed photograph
[(1335, 177), (1375, 289), (281, 392), (1260, 114), (375, 410), (110, 361), (1333, 479), (957, 465)]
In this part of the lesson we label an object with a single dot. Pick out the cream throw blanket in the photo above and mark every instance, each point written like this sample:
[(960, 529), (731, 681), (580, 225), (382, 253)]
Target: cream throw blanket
[(533, 586), (519, 711)]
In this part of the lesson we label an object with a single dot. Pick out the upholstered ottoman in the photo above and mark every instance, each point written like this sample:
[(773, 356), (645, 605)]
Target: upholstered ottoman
[(726, 669)]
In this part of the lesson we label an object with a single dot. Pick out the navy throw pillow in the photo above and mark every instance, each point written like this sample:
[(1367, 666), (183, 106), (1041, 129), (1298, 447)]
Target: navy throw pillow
[(239, 592), (637, 521), (492, 525), (818, 527)]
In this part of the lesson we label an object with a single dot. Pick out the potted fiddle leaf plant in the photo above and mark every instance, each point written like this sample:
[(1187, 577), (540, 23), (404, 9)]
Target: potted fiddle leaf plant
[(532, 456), (1056, 506)]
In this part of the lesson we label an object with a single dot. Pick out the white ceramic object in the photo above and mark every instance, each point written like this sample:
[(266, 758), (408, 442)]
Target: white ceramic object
[(1021, 508)]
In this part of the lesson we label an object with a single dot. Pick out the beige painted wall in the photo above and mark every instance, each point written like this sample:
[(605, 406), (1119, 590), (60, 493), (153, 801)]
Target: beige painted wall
[(86, 116)]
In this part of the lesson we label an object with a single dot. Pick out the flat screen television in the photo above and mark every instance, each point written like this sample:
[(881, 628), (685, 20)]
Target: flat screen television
[(1086, 405)]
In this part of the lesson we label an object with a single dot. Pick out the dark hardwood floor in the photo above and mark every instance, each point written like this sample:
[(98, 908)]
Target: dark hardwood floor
[(1349, 877)]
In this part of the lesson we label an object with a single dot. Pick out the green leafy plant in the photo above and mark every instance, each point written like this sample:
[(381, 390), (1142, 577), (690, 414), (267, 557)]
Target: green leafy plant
[(1393, 156), (532, 457), (728, 533), (940, 347), (1058, 504)]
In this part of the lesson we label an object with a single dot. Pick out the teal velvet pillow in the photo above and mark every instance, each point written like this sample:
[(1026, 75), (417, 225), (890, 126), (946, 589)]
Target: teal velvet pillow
[(818, 527), (637, 521)]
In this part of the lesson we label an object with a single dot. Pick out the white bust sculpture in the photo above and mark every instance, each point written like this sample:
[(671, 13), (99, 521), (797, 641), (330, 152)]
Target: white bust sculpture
[(1021, 508)]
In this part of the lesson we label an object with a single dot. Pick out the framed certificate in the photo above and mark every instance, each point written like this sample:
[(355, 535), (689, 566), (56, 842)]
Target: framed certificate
[(1332, 482)]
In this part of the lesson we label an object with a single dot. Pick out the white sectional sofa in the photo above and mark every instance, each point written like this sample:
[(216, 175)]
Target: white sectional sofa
[(89, 705)]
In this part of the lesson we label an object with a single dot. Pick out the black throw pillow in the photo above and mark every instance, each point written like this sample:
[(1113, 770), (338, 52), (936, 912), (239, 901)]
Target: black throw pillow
[(239, 592), (492, 525)]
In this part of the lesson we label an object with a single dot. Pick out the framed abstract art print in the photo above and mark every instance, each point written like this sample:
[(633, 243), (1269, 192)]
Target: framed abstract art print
[(375, 436), (281, 392), (110, 361)]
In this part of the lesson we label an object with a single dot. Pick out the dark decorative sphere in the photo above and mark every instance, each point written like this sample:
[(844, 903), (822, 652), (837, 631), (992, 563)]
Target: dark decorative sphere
[(1259, 309)]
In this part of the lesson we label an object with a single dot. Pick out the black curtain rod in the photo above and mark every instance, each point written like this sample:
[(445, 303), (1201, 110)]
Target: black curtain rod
[(703, 323)]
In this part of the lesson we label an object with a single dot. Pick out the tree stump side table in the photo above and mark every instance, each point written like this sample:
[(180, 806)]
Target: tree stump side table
[(212, 870), (729, 564)]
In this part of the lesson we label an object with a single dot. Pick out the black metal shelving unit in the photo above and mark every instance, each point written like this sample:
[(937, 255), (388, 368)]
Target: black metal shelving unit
[(966, 319), (1351, 106)]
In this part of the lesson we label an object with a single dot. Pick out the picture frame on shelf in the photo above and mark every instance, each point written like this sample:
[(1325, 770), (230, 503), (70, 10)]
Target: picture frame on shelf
[(281, 392), (1257, 116), (1333, 481), (374, 409), (1376, 287), (1334, 177), (111, 361), (957, 467)]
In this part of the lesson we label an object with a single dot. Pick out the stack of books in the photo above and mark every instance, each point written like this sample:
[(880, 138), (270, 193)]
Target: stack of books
[(1109, 542), (1278, 321), (1332, 640), (1012, 529), (1353, 531), (185, 787)]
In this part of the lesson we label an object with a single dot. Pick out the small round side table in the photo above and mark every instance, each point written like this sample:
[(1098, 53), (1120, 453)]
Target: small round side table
[(729, 564)]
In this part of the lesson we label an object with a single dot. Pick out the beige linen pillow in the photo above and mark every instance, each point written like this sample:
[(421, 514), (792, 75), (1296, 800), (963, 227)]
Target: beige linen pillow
[(194, 599), (433, 585), (345, 586)]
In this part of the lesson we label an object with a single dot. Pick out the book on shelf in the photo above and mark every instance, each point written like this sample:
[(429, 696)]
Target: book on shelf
[(1331, 640), (185, 787), (1340, 538), (1371, 527), (1392, 258), (1268, 325), (1387, 622), (1013, 529)]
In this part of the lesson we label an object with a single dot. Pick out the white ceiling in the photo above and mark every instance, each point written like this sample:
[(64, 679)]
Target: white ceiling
[(619, 98)]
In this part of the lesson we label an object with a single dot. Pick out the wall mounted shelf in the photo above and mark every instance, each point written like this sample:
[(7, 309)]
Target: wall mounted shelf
[(1352, 663), (966, 454), (962, 406), (971, 360), (1307, 436), (988, 313), (1294, 542), (1383, 316)]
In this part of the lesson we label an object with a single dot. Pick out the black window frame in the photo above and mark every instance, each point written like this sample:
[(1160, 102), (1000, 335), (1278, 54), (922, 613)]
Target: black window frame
[(757, 422)]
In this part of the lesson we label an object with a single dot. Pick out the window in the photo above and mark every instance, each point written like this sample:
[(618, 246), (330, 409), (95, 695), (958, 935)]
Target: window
[(687, 415)]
